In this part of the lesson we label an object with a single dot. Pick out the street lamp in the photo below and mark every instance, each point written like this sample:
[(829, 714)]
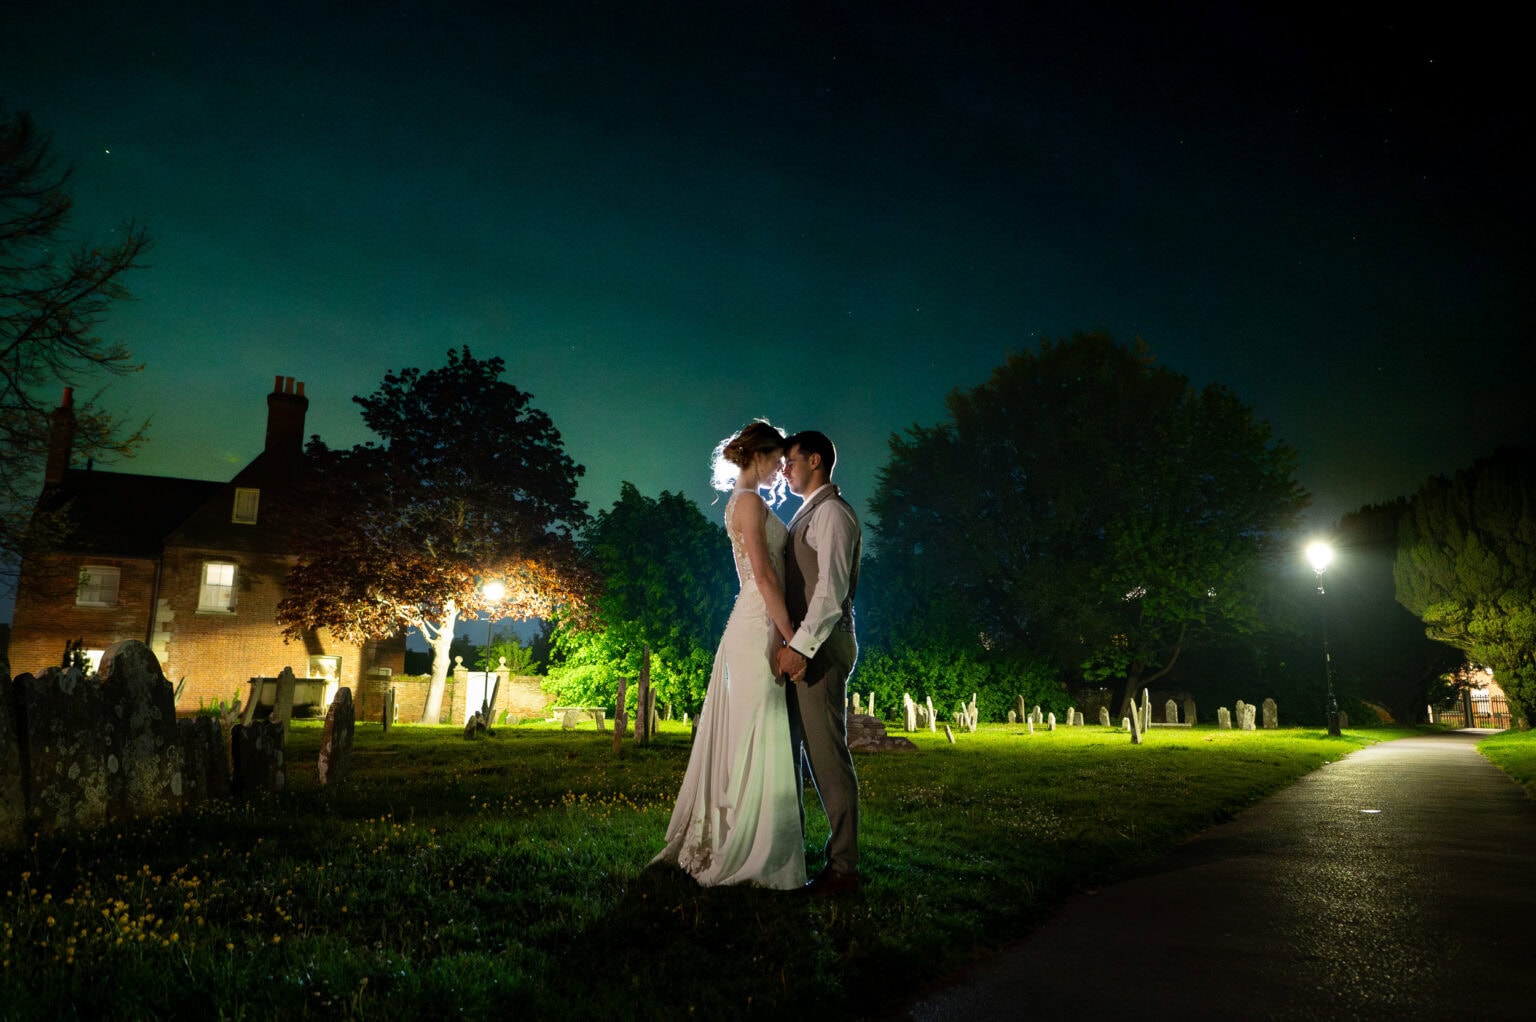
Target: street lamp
[(1320, 555), (493, 593)]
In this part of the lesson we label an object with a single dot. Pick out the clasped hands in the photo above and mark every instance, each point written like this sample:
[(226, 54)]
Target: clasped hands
[(791, 663)]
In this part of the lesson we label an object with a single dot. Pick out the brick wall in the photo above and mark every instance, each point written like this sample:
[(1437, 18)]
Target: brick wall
[(47, 617)]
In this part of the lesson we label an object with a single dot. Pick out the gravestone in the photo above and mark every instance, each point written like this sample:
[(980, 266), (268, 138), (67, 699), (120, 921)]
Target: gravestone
[(949, 734), (390, 709), (1038, 717), (867, 734), (1271, 714), (1343, 719), (1079, 718), (63, 749), (1019, 707), (1104, 716), (909, 710), (1237, 713), (1125, 724), (933, 718), (1051, 718), (1071, 715), (1146, 711), (1031, 725), (1171, 712), (869, 705), (1138, 720), (1249, 712), (195, 755), (335, 761), (282, 709), (13, 803), (1189, 711), (257, 750), (858, 704), (1223, 718), (1013, 718), (144, 764)]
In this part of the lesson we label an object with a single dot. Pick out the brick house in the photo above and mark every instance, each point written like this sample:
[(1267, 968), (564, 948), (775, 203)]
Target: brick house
[(193, 568)]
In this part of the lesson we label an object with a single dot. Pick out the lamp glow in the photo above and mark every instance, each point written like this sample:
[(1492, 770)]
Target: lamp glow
[(494, 591), (1320, 555)]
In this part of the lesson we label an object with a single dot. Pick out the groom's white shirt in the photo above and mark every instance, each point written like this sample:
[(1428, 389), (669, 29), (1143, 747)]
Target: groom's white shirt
[(832, 534)]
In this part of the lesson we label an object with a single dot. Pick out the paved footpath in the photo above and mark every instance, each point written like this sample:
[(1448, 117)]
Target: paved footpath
[(1396, 883)]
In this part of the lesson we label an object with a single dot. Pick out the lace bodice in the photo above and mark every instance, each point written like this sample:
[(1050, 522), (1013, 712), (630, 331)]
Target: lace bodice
[(776, 537)]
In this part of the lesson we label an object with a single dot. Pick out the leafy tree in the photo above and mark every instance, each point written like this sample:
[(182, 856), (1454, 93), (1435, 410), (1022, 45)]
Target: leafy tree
[(1087, 504), (505, 646), (54, 292), (1466, 565), (1380, 650), (668, 581), (469, 485)]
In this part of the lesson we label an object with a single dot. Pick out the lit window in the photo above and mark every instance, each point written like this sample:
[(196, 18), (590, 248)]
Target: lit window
[(218, 589), (98, 586), (245, 506)]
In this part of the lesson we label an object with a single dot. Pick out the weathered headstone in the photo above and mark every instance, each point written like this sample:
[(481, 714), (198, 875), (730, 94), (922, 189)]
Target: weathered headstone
[(858, 704), (1051, 721), (63, 749), (933, 718), (1103, 716), (143, 756), (1249, 712), (1189, 711), (282, 708), (257, 750), (1343, 719), (1071, 716), (869, 705), (1146, 711), (1237, 713), (1031, 725), (1271, 714), (13, 802), (1223, 718), (1038, 718), (1171, 712), (390, 709), (619, 710), (335, 761), (949, 734), (1138, 720), (1125, 724), (1020, 708), (1013, 718)]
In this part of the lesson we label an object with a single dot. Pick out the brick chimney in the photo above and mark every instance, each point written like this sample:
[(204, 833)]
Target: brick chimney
[(61, 438), (286, 406)]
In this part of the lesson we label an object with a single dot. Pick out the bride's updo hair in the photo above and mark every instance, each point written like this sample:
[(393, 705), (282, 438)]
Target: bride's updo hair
[(736, 452)]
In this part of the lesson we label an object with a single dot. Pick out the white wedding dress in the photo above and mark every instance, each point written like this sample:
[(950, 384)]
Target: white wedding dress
[(737, 818)]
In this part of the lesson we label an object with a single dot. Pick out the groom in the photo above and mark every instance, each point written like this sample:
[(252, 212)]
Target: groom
[(821, 576)]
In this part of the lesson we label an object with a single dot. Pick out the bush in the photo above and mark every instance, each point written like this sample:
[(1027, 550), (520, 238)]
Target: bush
[(951, 674)]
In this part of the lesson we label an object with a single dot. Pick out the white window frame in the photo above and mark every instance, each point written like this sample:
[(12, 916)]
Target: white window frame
[(97, 596), (218, 596), (247, 501)]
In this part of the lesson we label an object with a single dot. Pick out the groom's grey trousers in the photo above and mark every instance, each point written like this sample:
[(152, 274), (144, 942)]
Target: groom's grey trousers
[(818, 723)]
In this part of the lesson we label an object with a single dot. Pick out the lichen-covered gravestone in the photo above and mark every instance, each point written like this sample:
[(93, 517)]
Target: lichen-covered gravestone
[(1223, 718), (1171, 712), (336, 741), (13, 803), (257, 750), (65, 757), (1189, 711), (143, 756), (1271, 714), (1249, 710), (1103, 716)]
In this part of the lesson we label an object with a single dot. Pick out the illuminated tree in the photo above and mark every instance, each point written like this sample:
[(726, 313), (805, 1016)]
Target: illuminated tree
[(1087, 504), (469, 485), (1466, 565), (54, 292), (668, 582)]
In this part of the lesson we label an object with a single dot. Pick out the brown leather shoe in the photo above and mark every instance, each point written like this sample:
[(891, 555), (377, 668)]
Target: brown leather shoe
[(830, 882)]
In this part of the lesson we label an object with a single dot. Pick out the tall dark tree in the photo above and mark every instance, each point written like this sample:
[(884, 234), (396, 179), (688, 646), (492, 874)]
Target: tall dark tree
[(1466, 565), (667, 584), (469, 485), (1087, 503), (1380, 651), (54, 292)]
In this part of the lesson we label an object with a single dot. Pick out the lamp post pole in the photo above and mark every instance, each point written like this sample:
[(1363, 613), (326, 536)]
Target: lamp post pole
[(1321, 555)]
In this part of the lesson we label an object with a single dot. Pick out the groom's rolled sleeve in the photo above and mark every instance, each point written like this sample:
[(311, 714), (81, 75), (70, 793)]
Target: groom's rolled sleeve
[(833, 534)]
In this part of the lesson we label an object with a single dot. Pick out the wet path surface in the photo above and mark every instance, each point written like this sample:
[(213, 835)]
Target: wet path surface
[(1399, 882)]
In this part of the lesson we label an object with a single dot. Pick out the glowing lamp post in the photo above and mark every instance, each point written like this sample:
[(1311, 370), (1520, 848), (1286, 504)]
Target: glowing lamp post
[(493, 593), (1320, 555)]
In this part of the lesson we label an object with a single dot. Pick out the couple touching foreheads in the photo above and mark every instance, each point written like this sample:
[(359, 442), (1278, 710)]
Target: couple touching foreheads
[(780, 675)]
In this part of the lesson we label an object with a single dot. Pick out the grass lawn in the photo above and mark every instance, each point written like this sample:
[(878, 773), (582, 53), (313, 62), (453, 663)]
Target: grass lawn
[(507, 878), (1515, 753)]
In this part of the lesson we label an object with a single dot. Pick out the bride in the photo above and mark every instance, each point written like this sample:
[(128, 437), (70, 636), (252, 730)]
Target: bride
[(737, 818)]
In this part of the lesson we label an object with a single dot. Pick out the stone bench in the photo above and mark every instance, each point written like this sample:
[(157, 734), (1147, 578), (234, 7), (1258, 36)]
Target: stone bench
[(570, 716)]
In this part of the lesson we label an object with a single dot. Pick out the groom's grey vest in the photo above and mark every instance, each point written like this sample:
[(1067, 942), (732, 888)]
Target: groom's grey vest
[(802, 572)]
